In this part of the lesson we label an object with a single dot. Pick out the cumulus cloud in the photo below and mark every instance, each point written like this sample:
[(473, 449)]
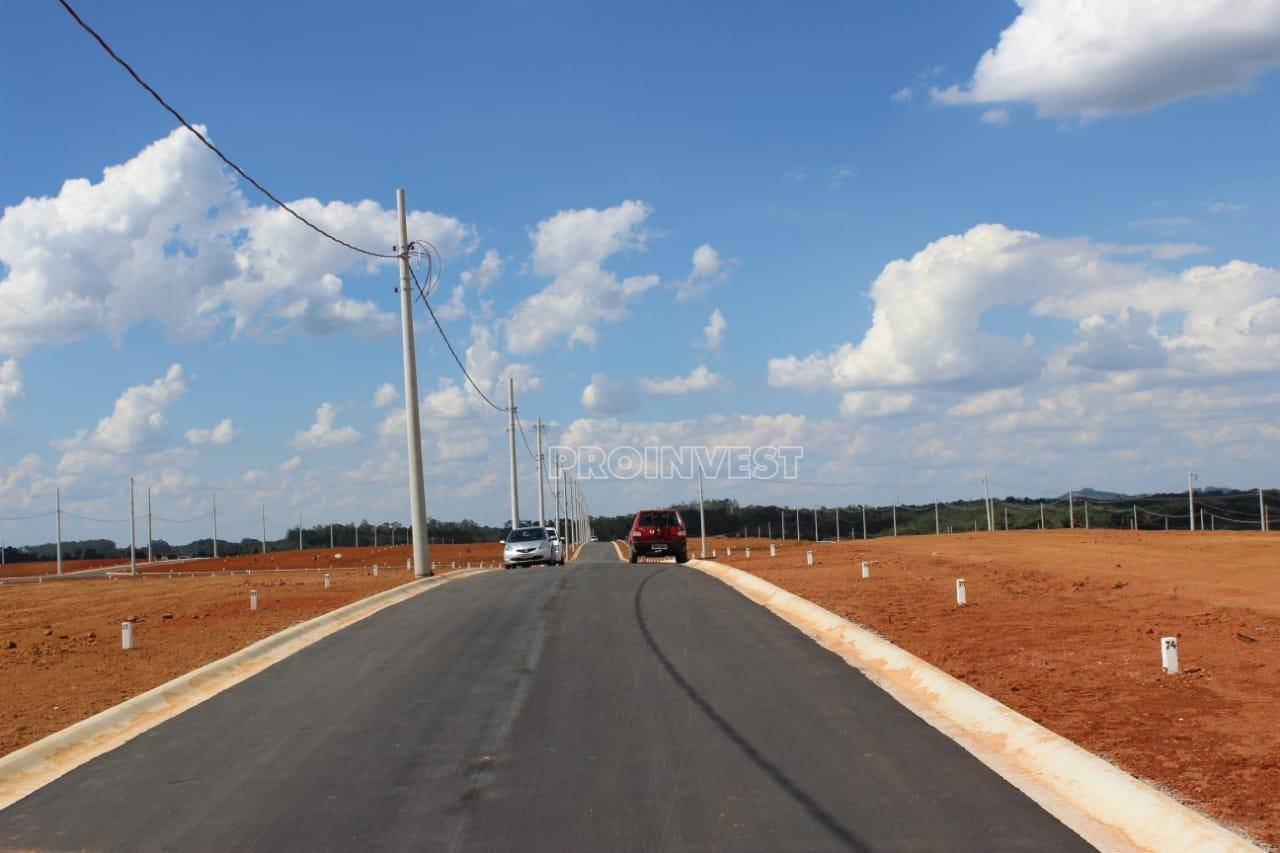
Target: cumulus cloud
[(713, 332), (223, 432), (607, 396), (903, 95), (571, 249), (489, 368), (995, 115), (928, 331), (472, 281), (385, 395), (698, 379), (1089, 58), (325, 432), (168, 237), (876, 404), (709, 269), (10, 385), (137, 423)]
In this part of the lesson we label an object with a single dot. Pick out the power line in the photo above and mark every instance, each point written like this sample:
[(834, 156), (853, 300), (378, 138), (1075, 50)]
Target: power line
[(527, 445), (205, 140), (422, 294)]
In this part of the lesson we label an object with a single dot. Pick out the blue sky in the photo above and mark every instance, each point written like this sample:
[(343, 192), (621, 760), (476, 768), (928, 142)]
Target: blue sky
[(1070, 342)]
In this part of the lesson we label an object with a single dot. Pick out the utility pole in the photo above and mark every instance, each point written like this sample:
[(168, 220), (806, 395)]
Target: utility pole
[(1135, 516), (937, 525), (864, 522), (412, 420), (57, 496), (264, 528), (783, 527), (1042, 515), (1006, 519), (133, 544), (702, 516), (331, 536), (1262, 512), (1191, 500), (815, 524), (299, 530), (150, 558), (797, 524), (511, 429), (356, 527), (895, 516), (986, 494), (555, 496), (215, 525), (542, 510), (1086, 515), (1071, 508), (837, 525)]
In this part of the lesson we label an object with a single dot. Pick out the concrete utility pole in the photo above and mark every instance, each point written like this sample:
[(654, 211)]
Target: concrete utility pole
[(511, 429), (542, 486), (1042, 515), (797, 524), (864, 521), (1262, 513), (299, 530), (815, 524), (1071, 509), (1135, 516), (1086, 515), (57, 496), (1006, 519), (986, 494), (702, 517), (783, 528), (150, 558), (895, 516), (331, 536), (1191, 500), (264, 528), (837, 525), (215, 525), (412, 420), (133, 544), (356, 528), (937, 525)]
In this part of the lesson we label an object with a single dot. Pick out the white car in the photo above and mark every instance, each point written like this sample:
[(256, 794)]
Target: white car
[(528, 546), (557, 545)]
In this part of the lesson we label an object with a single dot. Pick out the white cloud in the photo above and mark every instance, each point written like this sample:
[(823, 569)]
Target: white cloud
[(713, 332), (928, 331), (1089, 58), (471, 281), (1162, 223), (168, 237), (289, 464), (325, 432), (136, 422), (385, 395), (903, 95), (607, 396), (454, 399), (223, 432), (876, 404), (1225, 207), (708, 269), (842, 173), (698, 379), (1160, 251), (995, 115), (571, 248), (10, 385)]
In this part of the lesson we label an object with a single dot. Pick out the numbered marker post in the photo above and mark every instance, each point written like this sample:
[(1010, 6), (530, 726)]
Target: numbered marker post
[(713, 553), (1169, 655), (326, 580), (748, 553), (375, 571), (253, 599), (773, 550), (866, 569), (728, 551), (808, 557), (126, 635), (408, 566), (962, 596)]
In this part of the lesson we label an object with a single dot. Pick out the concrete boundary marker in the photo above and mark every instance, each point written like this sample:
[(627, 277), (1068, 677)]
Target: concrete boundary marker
[(35, 765), (1106, 806)]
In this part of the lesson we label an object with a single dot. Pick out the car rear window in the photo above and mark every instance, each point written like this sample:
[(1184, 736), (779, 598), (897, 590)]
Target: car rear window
[(527, 534), (659, 518)]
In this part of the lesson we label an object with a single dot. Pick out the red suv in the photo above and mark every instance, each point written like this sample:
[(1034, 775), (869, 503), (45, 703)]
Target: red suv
[(658, 533)]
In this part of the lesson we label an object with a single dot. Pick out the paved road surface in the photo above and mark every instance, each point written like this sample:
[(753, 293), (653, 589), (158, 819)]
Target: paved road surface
[(599, 706)]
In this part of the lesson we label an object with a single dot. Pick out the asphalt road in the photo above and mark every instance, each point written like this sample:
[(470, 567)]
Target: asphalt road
[(598, 706)]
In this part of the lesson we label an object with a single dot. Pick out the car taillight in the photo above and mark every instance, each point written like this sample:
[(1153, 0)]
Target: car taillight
[(679, 531)]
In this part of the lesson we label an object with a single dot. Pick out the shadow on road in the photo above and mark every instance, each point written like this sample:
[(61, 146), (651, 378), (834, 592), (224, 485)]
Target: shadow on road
[(827, 820)]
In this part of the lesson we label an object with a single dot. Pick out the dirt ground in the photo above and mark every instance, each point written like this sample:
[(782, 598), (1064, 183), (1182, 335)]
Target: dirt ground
[(441, 555), (60, 655), (1064, 626)]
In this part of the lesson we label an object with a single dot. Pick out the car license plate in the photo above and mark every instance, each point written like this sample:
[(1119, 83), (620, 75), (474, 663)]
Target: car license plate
[(659, 547)]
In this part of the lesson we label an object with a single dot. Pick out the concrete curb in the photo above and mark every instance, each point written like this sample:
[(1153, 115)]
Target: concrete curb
[(36, 765), (617, 546), (1106, 806)]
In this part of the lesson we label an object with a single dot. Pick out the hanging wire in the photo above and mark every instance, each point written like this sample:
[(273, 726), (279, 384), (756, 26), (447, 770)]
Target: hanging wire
[(527, 445), (26, 517), (207, 144)]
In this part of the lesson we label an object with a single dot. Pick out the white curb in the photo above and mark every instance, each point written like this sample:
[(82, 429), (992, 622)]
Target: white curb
[(1104, 805), (36, 765)]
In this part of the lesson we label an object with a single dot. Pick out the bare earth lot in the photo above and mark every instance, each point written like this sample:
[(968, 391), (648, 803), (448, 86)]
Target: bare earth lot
[(66, 663), (1064, 626)]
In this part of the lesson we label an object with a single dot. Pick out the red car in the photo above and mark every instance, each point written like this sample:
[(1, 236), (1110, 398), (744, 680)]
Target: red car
[(658, 533)]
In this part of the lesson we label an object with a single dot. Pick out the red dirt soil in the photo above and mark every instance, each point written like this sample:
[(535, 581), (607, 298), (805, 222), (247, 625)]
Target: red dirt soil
[(1064, 626), (441, 555), (66, 663)]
